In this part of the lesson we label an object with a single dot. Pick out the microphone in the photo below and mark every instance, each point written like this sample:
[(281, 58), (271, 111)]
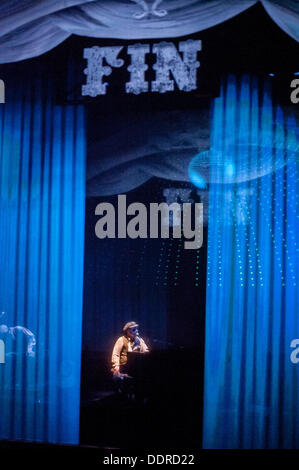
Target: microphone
[(136, 345)]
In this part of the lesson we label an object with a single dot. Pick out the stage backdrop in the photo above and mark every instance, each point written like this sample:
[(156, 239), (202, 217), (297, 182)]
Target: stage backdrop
[(251, 386), (30, 28), (251, 397), (42, 197)]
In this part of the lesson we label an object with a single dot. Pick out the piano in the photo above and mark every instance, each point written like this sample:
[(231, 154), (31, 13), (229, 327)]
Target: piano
[(167, 372)]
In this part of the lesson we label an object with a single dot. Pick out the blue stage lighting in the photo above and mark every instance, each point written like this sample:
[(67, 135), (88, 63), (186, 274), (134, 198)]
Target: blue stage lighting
[(251, 397)]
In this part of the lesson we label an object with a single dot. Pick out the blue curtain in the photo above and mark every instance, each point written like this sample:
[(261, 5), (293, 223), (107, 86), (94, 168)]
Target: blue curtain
[(251, 397), (42, 206)]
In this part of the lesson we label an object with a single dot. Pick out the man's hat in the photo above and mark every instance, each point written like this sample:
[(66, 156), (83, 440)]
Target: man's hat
[(130, 324)]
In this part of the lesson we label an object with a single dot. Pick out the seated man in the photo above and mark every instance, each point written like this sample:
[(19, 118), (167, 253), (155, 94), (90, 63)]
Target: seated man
[(129, 342)]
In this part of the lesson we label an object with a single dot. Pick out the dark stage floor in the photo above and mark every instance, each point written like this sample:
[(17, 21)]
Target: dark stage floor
[(168, 416)]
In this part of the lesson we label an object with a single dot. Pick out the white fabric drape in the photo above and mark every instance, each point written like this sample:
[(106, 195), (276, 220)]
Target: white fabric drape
[(285, 14), (132, 149), (29, 28)]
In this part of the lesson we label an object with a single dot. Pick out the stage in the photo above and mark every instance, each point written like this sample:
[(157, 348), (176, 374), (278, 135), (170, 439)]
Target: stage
[(149, 174)]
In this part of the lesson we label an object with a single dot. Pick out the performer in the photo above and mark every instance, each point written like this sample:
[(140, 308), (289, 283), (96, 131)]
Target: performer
[(129, 342), (10, 333)]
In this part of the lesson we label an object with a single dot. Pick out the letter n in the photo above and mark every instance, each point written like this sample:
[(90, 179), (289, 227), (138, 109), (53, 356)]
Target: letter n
[(169, 60)]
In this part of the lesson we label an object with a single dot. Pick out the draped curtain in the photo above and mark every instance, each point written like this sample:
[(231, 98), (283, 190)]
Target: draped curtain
[(127, 150), (28, 29), (42, 196), (251, 397)]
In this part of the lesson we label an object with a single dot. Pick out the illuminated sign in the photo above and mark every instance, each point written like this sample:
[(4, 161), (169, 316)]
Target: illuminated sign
[(182, 64)]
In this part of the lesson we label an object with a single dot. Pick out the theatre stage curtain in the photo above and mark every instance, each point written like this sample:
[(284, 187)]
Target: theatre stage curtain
[(42, 205), (251, 397), (29, 28)]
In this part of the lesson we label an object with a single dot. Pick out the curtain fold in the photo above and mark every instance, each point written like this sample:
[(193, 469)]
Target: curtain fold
[(42, 206), (285, 15), (29, 30), (129, 149), (251, 397)]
